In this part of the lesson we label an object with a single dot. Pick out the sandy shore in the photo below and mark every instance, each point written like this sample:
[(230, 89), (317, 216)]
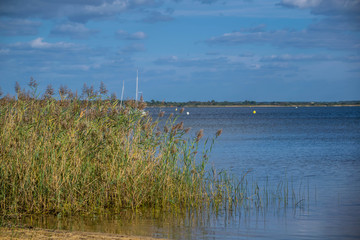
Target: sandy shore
[(37, 233)]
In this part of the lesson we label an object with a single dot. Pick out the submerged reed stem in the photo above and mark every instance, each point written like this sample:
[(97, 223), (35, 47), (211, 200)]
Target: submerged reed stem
[(89, 156)]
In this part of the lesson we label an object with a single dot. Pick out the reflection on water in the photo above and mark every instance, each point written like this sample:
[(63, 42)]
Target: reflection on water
[(256, 223), (317, 149)]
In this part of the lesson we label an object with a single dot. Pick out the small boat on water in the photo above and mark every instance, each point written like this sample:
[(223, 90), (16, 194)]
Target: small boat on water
[(137, 93), (133, 110)]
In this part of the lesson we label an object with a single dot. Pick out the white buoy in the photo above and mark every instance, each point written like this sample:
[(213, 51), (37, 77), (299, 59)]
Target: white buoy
[(187, 113)]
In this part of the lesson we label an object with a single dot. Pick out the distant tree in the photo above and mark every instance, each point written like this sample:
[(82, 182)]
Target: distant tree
[(1, 93)]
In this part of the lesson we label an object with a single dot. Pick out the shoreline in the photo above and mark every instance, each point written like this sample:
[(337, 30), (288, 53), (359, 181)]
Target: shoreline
[(251, 106), (39, 233)]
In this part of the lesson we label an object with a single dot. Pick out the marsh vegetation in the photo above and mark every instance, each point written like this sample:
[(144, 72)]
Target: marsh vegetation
[(82, 155)]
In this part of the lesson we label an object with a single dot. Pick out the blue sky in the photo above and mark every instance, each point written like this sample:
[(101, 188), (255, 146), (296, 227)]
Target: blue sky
[(233, 50)]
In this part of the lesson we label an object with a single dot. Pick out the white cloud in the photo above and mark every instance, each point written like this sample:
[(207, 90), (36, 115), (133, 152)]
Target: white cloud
[(301, 3), (156, 16), (207, 1), (137, 36), (286, 38), (131, 36), (74, 30), (326, 7), (82, 67), (39, 43), (16, 27), (4, 51), (167, 60), (74, 10), (133, 48), (107, 8), (296, 58), (197, 62), (72, 27)]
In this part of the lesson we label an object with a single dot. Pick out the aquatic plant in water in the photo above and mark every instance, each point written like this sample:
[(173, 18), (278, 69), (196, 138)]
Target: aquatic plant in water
[(80, 156)]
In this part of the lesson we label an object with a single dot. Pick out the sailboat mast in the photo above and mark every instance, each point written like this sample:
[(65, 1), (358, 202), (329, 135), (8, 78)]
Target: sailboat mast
[(137, 82), (122, 94)]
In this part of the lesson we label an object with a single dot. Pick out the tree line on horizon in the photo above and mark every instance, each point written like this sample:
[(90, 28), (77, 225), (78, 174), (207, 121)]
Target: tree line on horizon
[(154, 103), (90, 93)]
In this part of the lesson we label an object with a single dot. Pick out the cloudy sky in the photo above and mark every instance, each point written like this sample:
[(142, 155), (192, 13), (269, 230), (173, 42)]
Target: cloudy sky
[(234, 50)]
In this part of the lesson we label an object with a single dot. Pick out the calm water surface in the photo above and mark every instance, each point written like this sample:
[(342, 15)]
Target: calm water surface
[(316, 149)]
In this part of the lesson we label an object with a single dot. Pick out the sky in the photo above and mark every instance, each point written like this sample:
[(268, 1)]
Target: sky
[(185, 50)]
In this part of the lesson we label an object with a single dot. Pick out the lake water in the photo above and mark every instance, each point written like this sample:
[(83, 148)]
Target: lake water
[(316, 148)]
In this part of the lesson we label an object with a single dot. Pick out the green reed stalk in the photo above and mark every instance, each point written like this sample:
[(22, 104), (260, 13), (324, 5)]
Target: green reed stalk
[(81, 156)]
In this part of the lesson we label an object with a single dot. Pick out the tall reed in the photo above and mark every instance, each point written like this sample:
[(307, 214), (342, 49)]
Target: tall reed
[(90, 156)]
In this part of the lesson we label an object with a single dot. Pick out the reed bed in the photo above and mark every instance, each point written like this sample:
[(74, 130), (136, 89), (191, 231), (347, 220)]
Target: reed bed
[(76, 156)]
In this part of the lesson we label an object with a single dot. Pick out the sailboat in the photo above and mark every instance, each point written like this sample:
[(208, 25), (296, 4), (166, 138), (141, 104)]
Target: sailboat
[(137, 93), (137, 86), (122, 94)]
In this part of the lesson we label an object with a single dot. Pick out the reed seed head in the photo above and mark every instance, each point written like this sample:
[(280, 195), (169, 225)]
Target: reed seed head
[(179, 126), (173, 130), (199, 135), (114, 145), (219, 132)]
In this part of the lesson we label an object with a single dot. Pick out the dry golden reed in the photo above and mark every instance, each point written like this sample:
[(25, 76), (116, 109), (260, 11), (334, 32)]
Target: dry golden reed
[(74, 156), (92, 156)]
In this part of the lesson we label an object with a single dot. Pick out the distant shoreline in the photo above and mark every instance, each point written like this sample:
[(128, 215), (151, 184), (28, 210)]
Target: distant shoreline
[(252, 104), (256, 106)]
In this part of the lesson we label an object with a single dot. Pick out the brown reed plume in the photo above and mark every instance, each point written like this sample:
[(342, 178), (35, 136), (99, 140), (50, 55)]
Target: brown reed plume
[(199, 135), (91, 156)]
